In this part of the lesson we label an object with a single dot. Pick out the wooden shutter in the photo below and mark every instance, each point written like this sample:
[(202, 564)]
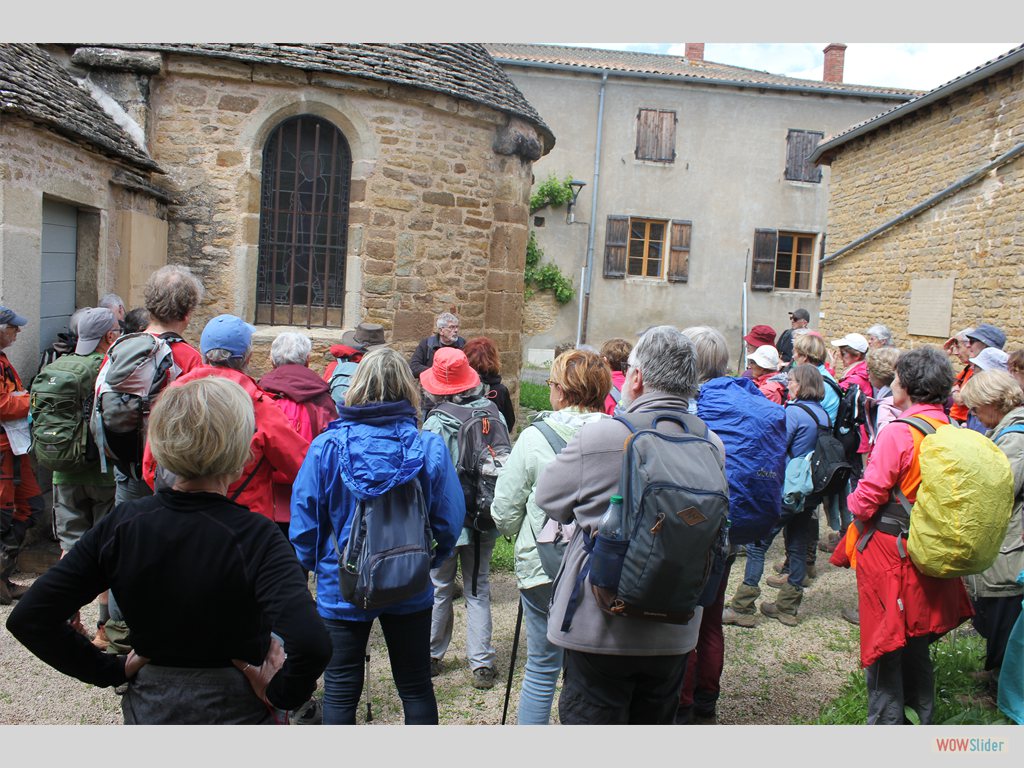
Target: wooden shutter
[(799, 146), (679, 252), (655, 135), (762, 272), (616, 243)]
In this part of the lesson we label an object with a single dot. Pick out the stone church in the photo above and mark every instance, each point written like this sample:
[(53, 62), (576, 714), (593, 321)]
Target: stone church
[(309, 186)]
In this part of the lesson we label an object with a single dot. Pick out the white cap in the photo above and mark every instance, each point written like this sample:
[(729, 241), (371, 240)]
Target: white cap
[(766, 356), (853, 341)]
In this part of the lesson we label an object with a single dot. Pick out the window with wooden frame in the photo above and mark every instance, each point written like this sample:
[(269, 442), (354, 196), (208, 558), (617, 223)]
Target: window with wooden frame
[(656, 135), (782, 260), (799, 146), (651, 248)]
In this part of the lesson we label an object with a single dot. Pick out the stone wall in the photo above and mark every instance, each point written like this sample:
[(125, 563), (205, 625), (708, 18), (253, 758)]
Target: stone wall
[(976, 236), (35, 163), (437, 218)]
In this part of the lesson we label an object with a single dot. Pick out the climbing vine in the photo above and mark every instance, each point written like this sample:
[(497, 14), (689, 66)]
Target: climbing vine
[(551, 192), (546, 277)]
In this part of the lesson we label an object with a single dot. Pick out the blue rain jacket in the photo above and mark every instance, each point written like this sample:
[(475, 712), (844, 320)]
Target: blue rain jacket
[(364, 453)]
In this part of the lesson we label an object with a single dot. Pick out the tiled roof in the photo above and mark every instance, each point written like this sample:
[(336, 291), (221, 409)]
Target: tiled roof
[(827, 148), (34, 86), (631, 62), (463, 70)]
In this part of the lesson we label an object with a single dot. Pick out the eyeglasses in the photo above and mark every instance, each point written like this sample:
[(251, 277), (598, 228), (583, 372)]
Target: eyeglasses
[(549, 382)]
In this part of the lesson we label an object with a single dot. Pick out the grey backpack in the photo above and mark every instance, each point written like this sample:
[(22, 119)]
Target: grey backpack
[(675, 501)]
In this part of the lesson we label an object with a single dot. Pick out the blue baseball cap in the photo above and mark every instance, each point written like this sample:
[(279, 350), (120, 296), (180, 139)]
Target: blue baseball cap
[(227, 332), (10, 317)]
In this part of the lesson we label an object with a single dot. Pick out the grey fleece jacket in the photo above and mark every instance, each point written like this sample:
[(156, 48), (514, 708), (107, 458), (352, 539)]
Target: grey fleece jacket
[(578, 484)]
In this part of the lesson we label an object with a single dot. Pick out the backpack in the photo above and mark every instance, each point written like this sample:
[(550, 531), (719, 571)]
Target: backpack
[(341, 379), (61, 401), (137, 368), (830, 466), (64, 345), (387, 557), (484, 446), (554, 536), (958, 521), (675, 504), (615, 394), (753, 429), (850, 415)]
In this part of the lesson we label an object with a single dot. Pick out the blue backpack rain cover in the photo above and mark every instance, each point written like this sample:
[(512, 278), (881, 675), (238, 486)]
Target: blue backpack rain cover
[(753, 429)]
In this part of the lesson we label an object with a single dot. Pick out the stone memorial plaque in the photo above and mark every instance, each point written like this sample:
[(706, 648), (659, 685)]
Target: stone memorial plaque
[(931, 307)]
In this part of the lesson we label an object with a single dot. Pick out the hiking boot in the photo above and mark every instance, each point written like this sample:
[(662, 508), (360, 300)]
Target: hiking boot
[(100, 640), (16, 591), (785, 606), (5, 594), (743, 600), (483, 677), (812, 571), (737, 619), (705, 718), (852, 615), (435, 667), (781, 566), (309, 713), (783, 578)]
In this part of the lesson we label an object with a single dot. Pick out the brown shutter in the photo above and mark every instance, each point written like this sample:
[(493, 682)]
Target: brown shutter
[(655, 135), (667, 135), (762, 277), (799, 146), (679, 252), (616, 241)]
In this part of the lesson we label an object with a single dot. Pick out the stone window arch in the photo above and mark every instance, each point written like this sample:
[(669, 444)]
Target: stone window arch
[(304, 206)]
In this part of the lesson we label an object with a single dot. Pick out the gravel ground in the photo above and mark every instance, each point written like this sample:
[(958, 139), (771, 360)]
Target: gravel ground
[(773, 674)]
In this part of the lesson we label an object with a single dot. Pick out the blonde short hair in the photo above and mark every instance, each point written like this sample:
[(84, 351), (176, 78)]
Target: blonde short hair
[(584, 378), (882, 363), (811, 346), (383, 376), (202, 428), (996, 388)]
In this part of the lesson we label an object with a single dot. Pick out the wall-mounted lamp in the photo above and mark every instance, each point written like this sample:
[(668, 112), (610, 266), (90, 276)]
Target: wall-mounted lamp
[(576, 186)]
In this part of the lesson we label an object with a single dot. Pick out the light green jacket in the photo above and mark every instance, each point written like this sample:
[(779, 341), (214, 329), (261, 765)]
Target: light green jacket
[(514, 510)]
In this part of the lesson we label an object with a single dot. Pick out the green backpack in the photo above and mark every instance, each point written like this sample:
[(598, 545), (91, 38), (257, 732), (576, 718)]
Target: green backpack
[(61, 402)]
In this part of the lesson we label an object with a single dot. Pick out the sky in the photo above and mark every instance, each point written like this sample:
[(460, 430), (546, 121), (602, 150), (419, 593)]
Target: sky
[(919, 66)]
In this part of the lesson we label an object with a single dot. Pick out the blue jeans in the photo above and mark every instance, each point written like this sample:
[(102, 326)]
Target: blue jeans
[(407, 637), (543, 659), (796, 528)]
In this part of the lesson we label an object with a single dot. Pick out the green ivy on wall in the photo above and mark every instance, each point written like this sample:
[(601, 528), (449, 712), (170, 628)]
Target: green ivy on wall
[(547, 277), (551, 192)]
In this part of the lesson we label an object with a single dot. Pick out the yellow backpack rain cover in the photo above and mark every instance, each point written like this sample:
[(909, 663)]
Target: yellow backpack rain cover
[(963, 505)]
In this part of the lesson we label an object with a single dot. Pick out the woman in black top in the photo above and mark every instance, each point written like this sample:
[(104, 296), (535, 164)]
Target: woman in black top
[(483, 357), (188, 551)]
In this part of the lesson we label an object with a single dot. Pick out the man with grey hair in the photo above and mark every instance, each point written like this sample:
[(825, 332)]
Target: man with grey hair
[(446, 335), (114, 303), (618, 669), (878, 336)]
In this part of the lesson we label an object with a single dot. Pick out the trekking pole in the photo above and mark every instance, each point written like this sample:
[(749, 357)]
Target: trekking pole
[(512, 663), (366, 682)]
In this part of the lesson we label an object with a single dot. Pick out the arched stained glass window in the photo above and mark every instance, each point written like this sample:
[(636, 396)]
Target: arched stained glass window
[(304, 198)]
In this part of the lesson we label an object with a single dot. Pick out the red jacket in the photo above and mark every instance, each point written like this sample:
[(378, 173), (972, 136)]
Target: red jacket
[(277, 449), (305, 400), (896, 600)]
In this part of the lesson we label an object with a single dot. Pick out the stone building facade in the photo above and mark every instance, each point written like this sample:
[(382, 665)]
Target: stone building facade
[(931, 190), (434, 149)]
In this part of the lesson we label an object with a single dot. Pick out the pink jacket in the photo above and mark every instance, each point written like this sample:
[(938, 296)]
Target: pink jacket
[(618, 379), (858, 374)]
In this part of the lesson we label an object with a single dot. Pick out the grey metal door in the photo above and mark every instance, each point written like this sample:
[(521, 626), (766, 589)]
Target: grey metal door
[(59, 262)]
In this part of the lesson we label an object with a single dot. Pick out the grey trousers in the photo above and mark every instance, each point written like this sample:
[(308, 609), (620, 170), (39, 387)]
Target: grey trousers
[(479, 648), (902, 678), (192, 696)]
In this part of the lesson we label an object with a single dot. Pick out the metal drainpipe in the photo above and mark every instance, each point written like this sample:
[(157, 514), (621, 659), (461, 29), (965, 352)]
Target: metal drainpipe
[(581, 323)]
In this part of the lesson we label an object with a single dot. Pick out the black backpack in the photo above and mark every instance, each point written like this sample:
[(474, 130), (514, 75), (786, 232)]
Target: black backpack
[(830, 466), (388, 554), (851, 414)]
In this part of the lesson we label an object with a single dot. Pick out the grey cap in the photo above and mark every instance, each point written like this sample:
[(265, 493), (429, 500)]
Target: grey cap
[(93, 324)]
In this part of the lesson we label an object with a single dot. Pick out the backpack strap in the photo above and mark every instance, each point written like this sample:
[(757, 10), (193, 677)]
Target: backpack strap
[(1012, 428), (919, 424), (248, 479), (834, 384), (615, 393), (556, 442), (171, 337), (806, 409)]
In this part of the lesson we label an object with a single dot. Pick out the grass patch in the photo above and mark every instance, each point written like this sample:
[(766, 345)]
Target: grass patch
[(534, 396), (954, 657), (503, 558)]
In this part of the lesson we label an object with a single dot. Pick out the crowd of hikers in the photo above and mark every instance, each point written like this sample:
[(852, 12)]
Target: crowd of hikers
[(184, 486)]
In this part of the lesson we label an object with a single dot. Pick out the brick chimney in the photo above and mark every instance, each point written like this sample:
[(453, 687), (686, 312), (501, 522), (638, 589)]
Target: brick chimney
[(835, 54), (695, 52)]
